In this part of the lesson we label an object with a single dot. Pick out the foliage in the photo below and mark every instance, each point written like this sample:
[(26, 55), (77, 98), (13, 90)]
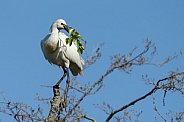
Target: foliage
[(76, 39)]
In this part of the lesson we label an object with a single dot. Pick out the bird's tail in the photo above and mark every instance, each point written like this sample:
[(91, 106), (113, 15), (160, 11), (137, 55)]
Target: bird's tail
[(81, 73)]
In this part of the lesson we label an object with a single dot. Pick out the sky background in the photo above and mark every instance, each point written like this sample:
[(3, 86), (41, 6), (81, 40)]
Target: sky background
[(120, 24)]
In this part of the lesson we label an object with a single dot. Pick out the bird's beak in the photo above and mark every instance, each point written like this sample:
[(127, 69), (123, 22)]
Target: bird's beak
[(66, 27)]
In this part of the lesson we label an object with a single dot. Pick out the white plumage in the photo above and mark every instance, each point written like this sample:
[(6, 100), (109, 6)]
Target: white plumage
[(57, 52)]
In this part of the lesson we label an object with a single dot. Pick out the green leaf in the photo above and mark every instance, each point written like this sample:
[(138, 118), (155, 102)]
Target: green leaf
[(75, 41), (80, 37), (78, 43), (80, 51), (69, 41), (75, 34), (71, 30)]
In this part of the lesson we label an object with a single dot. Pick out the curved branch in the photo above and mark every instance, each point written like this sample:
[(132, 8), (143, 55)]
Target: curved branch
[(143, 97)]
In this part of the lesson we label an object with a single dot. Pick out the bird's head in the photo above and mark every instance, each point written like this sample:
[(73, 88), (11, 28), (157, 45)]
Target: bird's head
[(59, 24)]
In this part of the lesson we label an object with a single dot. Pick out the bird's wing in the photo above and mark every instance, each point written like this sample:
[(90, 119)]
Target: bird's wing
[(42, 44), (53, 52)]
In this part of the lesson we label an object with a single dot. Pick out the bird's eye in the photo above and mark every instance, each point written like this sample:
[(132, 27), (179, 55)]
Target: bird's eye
[(62, 24)]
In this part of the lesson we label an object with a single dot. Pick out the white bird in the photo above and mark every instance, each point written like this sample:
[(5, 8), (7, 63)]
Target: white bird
[(57, 52)]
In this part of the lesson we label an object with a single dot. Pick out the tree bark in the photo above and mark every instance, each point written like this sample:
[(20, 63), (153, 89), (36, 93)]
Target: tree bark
[(55, 105)]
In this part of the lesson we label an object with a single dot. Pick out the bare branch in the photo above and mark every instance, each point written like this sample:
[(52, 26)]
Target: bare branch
[(157, 86), (22, 112), (89, 118), (94, 56), (155, 108)]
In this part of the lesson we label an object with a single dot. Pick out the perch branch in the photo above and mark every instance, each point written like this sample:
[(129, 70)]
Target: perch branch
[(55, 104)]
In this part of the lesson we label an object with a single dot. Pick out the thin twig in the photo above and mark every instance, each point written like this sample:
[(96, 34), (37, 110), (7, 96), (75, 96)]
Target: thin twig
[(155, 108)]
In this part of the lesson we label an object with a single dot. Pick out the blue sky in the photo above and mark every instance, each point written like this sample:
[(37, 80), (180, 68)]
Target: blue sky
[(121, 25)]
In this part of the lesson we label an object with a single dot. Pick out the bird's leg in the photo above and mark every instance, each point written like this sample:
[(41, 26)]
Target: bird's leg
[(64, 75), (67, 86), (68, 77)]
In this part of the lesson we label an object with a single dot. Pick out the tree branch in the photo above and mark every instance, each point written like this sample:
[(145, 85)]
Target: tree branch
[(55, 104), (143, 97)]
